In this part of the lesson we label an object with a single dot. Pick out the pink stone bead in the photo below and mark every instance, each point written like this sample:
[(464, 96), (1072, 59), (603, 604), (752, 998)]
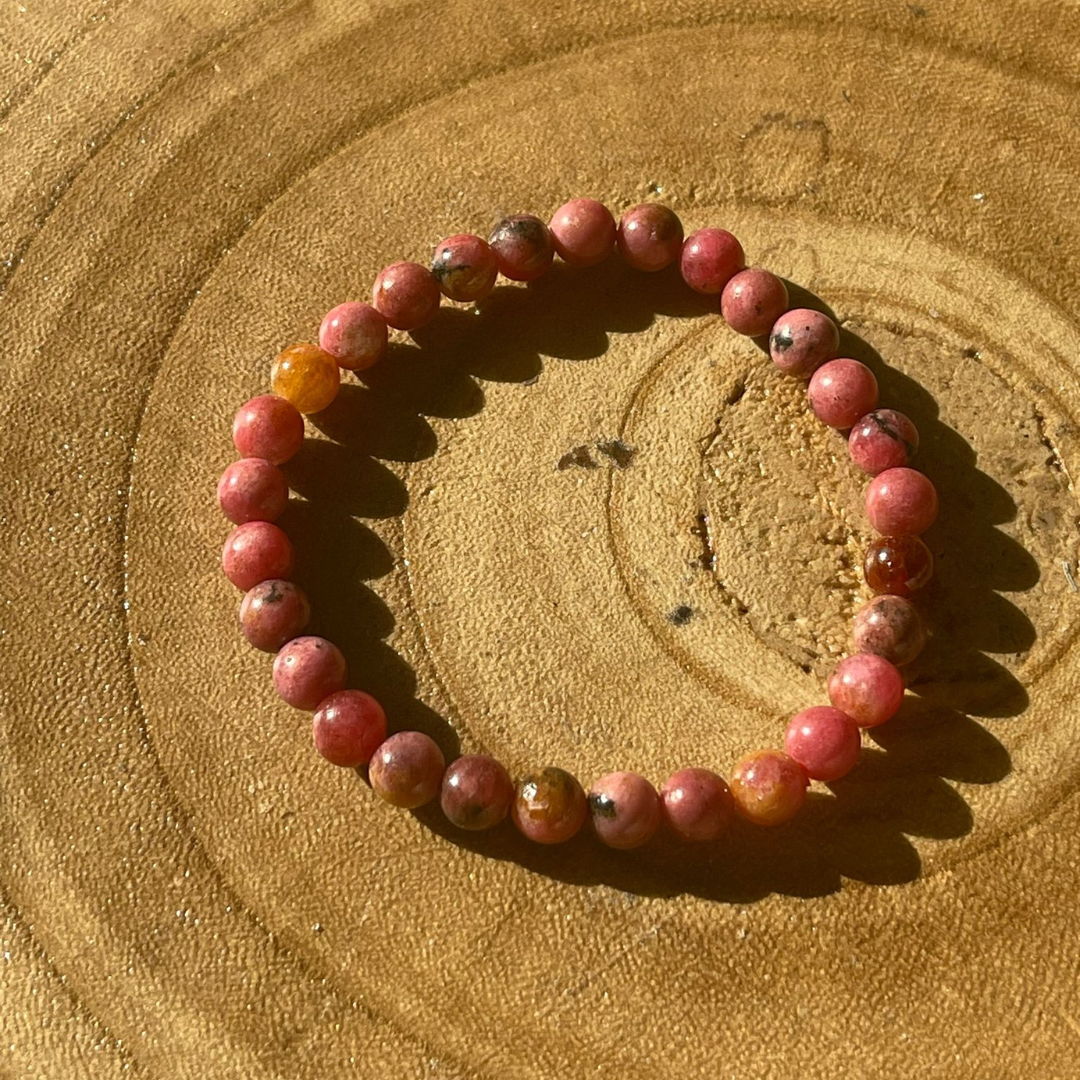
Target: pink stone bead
[(406, 295), (709, 259), (650, 236), (891, 627), (753, 300), (476, 792), (801, 340), (583, 232), (354, 334), (308, 670), (523, 247), (465, 268), (252, 489), (625, 810), (768, 787), (272, 613), (268, 427), (348, 728), (882, 439), (407, 769), (256, 551), (697, 804), (868, 688), (900, 502), (841, 391), (824, 741)]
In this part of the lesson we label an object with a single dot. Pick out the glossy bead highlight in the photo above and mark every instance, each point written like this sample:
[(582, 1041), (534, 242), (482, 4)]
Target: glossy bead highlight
[(697, 804), (753, 300), (354, 334), (252, 489), (256, 551), (898, 565), (549, 806), (625, 810), (824, 741), (901, 501), (407, 769), (709, 259), (650, 237), (868, 688), (882, 439), (768, 787), (406, 295), (465, 268), (307, 376), (272, 613), (523, 247), (801, 340), (307, 670), (268, 427), (348, 727), (890, 627), (583, 232), (841, 391), (476, 792)]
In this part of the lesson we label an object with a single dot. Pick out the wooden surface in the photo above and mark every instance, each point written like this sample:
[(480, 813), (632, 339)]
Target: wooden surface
[(587, 526)]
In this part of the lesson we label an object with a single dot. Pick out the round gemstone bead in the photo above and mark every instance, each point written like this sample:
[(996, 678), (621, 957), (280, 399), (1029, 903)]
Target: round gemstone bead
[(354, 334), (841, 391), (465, 268), (882, 439), (583, 232), (753, 300), (824, 741), (768, 787), (307, 376), (476, 792), (901, 501), (268, 427), (549, 806), (898, 565), (697, 804), (256, 551), (348, 727), (523, 247), (709, 259), (890, 627), (801, 340), (272, 613), (625, 809), (406, 295), (407, 769), (252, 489), (867, 688), (650, 236), (307, 670)]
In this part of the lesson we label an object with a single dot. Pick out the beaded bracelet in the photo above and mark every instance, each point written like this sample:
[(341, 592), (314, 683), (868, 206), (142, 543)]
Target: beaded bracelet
[(548, 806)]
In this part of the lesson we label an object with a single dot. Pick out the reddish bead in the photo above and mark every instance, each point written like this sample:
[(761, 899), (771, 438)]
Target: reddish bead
[(650, 236), (768, 787), (307, 670), (252, 489), (898, 565), (549, 806), (882, 439), (868, 688), (348, 727), (272, 613), (354, 334), (407, 769), (476, 792), (824, 741), (697, 804), (890, 627), (625, 810), (709, 259), (901, 501), (256, 551), (523, 247), (753, 300), (406, 295), (465, 268), (801, 340), (841, 391), (268, 427), (583, 232)]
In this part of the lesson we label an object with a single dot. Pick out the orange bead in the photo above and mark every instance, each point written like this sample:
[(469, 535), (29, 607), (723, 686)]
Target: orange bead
[(307, 376), (768, 787)]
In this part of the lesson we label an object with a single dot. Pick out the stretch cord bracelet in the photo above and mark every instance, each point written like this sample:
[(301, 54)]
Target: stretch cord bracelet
[(549, 805)]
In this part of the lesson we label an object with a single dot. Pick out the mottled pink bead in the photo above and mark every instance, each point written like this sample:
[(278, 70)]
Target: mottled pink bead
[(901, 501), (476, 792), (272, 613), (709, 259), (252, 489), (268, 427), (824, 741), (801, 340), (768, 787), (406, 295), (307, 670), (354, 334), (465, 268), (625, 809), (753, 300), (348, 727), (697, 804), (841, 391), (882, 439), (407, 769), (549, 806), (583, 232), (523, 247), (891, 627), (866, 687), (650, 236), (256, 551)]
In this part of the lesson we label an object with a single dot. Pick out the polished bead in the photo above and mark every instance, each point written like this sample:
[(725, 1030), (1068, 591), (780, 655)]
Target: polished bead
[(307, 376), (697, 804), (866, 687), (549, 806), (882, 439), (272, 613), (307, 670), (476, 792), (753, 300), (268, 427), (890, 627), (252, 489), (824, 741), (583, 232), (348, 727), (898, 565), (406, 295), (901, 501), (625, 809), (768, 787), (465, 268), (354, 334), (841, 391), (407, 769), (523, 247), (256, 551), (709, 259), (650, 236), (801, 340)]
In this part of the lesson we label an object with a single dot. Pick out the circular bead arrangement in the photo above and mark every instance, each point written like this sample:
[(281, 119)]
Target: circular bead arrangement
[(549, 805)]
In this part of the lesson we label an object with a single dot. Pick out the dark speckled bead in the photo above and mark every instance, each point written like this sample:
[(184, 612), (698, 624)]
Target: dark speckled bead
[(801, 340), (625, 809), (465, 268), (407, 769), (549, 806), (523, 247), (476, 792)]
